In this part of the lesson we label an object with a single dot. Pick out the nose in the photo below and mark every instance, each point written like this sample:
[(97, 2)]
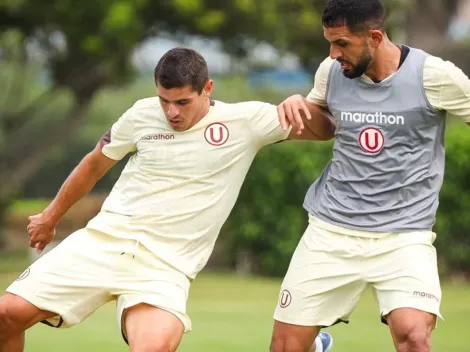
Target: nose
[(172, 111), (334, 52)]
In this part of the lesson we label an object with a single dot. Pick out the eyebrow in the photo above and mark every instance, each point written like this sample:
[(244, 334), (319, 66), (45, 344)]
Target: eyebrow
[(337, 41), (176, 101)]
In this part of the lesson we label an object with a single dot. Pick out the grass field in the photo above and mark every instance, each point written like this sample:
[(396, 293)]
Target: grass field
[(233, 314)]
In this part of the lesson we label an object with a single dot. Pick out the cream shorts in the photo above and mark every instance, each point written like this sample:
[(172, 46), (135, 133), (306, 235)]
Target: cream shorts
[(90, 269), (329, 271)]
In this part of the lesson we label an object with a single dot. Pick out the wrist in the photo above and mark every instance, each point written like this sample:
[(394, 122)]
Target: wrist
[(51, 216)]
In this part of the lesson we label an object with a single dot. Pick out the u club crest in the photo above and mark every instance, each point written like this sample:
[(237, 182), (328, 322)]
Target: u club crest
[(371, 140), (216, 134)]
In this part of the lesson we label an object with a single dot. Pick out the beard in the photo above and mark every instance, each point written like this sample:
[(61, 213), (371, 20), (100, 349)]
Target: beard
[(360, 68)]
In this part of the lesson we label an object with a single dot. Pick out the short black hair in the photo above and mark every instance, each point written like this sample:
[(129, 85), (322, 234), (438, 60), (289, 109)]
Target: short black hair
[(179, 67), (357, 15)]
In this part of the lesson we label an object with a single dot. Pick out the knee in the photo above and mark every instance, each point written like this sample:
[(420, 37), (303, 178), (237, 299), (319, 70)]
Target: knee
[(152, 347), (148, 343), (417, 340), (7, 326), (9, 323), (287, 344)]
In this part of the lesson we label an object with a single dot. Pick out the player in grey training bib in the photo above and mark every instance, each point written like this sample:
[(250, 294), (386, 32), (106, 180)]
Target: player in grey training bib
[(388, 160), (372, 211)]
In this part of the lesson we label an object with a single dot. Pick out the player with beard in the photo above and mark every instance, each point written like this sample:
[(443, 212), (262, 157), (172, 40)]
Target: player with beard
[(372, 211)]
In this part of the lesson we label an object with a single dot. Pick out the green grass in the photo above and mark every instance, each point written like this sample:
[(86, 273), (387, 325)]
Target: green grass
[(27, 207), (232, 314)]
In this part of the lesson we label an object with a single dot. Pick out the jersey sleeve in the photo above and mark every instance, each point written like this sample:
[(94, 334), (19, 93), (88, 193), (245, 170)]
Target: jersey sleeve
[(264, 123), (118, 141), (318, 94), (447, 87)]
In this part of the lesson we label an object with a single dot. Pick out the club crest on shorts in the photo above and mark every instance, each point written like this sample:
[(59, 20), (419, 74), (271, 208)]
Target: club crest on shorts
[(216, 134), (371, 140), (24, 275), (284, 299)]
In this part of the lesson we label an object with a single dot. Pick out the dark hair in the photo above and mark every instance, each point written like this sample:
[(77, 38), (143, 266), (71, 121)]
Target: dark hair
[(357, 15), (179, 67)]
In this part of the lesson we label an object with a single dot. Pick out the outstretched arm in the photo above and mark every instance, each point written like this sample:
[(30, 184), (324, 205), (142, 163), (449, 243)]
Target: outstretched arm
[(113, 146), (78, 184)]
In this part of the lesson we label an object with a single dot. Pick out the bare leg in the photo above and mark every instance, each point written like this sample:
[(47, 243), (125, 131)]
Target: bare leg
[(17, 315), (411, 329), (293, 338), (152, 329)]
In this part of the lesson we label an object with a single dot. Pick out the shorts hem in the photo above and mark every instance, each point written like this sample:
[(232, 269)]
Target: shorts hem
[(384, 313), (65, 320), (186, 324), (310, 322)]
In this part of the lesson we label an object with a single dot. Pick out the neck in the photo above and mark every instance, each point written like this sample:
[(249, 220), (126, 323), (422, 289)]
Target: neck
[(386, 61), (204, 111)]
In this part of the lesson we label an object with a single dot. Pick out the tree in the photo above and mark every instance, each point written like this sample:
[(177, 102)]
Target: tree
[(83, 46), (80, 47)]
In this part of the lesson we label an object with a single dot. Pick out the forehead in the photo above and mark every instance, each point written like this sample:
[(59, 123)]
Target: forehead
[(179, 93), (333, 34)]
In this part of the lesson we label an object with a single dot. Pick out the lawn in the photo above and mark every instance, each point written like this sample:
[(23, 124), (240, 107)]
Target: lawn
[(233, 314)]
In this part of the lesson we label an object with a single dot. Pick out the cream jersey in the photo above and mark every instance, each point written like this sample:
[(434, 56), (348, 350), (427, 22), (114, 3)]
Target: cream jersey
[(178, 188), (446, 86)]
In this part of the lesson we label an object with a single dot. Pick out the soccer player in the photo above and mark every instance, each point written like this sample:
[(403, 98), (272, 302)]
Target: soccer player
[(157, 228), (372, 211)]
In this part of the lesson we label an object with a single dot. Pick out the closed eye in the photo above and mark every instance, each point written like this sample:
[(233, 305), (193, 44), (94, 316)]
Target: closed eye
[(341, 43)]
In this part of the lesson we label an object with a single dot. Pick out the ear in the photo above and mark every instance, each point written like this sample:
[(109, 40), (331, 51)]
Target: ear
[(376, 38), (208, 87)]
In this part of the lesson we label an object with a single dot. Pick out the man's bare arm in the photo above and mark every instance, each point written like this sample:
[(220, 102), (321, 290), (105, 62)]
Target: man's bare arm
[(309, 120), (79, 183), (320, 127)]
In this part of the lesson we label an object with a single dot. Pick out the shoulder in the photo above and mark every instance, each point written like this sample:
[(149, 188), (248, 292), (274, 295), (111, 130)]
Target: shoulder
[(325, 67), (438, 71), (244, 109), (326, 64), (146, 107), (434, 64), (146, 103)]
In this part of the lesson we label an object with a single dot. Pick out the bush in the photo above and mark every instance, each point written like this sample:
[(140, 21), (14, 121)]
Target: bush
[(453, 219)]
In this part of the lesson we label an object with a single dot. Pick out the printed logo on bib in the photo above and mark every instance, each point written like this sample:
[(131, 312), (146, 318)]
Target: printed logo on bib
[(216, 134), (285, 299), (371, 140)]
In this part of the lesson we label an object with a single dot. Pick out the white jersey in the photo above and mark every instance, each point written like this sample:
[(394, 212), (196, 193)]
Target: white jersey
[(178, 188)]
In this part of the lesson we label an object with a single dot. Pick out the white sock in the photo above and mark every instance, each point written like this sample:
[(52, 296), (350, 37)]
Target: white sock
[(318, 345)]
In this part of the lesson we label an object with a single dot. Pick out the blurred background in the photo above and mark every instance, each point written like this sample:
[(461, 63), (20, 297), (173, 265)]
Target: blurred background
[(69, 69)]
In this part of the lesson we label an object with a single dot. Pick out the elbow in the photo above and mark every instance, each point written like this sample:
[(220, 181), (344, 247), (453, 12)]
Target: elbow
[(328, 132), (330, 135), (95, 165)]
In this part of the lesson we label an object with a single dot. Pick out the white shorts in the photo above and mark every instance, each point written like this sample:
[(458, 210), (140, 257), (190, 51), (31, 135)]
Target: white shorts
[(329, 271), (89, 269)]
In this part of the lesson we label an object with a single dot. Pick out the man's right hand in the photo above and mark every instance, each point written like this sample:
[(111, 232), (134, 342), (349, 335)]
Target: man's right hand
[(290, 111), (308, 120), (41, 227), (41, 231)]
